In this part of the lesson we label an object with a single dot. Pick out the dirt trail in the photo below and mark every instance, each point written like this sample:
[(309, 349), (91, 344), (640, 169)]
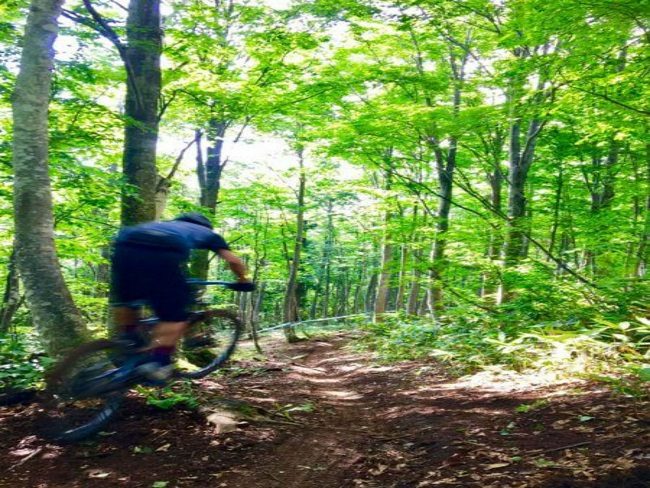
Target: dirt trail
[(336, 419)]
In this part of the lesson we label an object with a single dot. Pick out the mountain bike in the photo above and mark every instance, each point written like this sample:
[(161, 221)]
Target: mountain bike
[(85, 390)]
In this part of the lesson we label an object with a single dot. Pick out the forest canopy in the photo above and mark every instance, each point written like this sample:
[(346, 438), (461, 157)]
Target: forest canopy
[(468, 179)]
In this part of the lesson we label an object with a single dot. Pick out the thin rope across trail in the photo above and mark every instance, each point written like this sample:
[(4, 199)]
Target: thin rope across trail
[(294, 324)]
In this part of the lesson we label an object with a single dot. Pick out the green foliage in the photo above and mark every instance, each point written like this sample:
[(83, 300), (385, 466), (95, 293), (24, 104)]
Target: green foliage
[(599, 346), (177, 395), (373, 95), (531, 407), (21, 363)]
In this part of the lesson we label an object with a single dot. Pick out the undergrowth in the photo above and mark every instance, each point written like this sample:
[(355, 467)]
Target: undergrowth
[(617, 353), (22, 362)]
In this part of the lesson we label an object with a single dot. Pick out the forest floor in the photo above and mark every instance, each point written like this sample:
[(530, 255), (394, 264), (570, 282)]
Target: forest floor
[(319, 414)]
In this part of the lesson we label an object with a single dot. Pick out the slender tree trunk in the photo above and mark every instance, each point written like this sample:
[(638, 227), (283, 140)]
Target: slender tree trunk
[(401, 280), (58, 321), (327, 258), (381, 299), (490, 283), (209, 174), (11, 298), (255, 315), (414, 292), (559, 186), (438, 259), (142, 57), (371, 290), (446, 165), (291, 297), (520, 159), (385, 274), (641, 265)]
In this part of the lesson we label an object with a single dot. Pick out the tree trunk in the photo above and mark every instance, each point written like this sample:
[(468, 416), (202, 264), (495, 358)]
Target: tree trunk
[(142, 58), (446, 168), (489, 286), (255, 315), (385, 273), (56, 318), (291, 297), (401, 280), (556, 208), (369, 300), (641, 264), (520, 159), (209, 178), (446, 165), (11, 298)]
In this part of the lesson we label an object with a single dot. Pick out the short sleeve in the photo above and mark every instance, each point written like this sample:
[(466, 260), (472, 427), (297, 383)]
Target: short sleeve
[(217, 242)]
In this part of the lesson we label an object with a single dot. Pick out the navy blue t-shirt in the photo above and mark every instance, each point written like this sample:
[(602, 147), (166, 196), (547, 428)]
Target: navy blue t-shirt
[(175, 234)]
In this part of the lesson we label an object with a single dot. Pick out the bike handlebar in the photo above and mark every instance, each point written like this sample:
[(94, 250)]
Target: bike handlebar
[(196, 281), (236, 286)]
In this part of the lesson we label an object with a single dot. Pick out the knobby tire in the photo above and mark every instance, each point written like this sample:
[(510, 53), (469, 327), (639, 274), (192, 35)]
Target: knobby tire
[(59, 417), (225, 350)]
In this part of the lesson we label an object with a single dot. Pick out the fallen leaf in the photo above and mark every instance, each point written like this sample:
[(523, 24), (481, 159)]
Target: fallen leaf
[(496, 466), (164, 448), (559, 424), (99, 474)]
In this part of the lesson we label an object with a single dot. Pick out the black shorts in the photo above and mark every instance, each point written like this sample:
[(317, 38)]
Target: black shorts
[(155, 275)]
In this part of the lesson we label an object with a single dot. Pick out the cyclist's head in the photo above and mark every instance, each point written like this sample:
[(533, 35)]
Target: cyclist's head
[(195, 218)]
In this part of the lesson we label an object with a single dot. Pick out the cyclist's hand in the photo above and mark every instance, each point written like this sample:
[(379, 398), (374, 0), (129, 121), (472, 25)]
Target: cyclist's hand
[(242, 286)]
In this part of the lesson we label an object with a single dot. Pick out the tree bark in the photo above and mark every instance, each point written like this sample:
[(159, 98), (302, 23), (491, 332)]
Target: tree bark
[(385, 273), (11, 298), (559, 187), (142, 59), (446, 165), (401, 280), (291, 297), (369, 297), (56, 318), (520, 159)]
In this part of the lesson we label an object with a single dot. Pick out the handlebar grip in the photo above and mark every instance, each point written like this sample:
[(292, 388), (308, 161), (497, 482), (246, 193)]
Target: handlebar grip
[(245, 287)]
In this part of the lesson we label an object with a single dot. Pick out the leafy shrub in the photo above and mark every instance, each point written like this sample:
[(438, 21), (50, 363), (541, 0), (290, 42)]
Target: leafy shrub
[(21, 363), (471, 340)]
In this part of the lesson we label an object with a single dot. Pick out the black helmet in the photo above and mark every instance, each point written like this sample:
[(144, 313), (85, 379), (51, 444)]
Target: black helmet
[(195, 218)]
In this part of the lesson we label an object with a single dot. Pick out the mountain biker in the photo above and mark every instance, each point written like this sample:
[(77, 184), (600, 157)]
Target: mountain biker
[(148, 263)]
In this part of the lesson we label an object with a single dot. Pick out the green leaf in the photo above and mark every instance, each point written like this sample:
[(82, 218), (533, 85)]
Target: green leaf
[(644, 374)]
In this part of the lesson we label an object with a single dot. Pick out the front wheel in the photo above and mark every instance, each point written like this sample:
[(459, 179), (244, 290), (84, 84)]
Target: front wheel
[(82, 393), (216, 333)]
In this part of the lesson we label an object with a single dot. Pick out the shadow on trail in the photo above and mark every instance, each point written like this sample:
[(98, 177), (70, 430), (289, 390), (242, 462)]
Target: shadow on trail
[(342, 421)]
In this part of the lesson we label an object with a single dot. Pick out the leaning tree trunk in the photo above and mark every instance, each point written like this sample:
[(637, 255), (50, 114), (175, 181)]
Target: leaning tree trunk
[(56, 318), (142, 59)]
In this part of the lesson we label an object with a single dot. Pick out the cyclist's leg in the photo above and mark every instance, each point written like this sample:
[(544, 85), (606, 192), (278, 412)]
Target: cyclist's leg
[(126, 286), (170, 296)]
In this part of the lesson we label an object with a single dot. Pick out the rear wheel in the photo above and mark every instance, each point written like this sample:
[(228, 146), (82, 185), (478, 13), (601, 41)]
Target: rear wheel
[(82, 393), (212, 342)]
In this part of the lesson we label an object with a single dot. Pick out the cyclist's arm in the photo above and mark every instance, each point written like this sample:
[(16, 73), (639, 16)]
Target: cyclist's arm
[(237, 266)]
